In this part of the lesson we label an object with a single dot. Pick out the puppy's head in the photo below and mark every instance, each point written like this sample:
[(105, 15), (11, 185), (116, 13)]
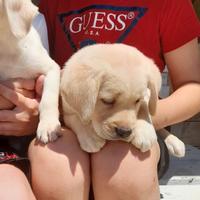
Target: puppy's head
[(109, 86), (16, 17)]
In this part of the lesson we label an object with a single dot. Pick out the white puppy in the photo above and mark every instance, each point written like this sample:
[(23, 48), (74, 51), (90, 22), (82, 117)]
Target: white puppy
[(108, 93), (23, 56)]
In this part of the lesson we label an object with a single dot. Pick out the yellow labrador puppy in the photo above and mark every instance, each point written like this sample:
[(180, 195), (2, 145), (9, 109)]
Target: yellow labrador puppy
[(23, 56), (109, 92)]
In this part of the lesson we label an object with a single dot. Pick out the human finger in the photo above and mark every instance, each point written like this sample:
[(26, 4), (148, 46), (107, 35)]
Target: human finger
[(39, 85), (18, 99), (19, 83), (7, 116), (22, 86), (25, 92), (15, 129), (14, 116), (5, 104)]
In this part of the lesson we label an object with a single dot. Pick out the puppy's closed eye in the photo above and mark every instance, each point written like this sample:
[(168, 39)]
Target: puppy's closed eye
[(108, 98), (109, 102), (112, 101)]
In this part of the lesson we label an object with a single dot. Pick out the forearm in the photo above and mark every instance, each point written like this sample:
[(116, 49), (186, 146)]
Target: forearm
[(179, 106)]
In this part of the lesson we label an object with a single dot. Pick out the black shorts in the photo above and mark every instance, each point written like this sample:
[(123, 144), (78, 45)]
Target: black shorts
[(13, 150)]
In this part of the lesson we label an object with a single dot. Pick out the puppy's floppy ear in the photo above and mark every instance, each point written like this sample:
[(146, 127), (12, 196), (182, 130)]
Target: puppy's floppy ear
[(20, 14), (154, 85), (143, 112), (79, 90), (153, 98), (148, 105)]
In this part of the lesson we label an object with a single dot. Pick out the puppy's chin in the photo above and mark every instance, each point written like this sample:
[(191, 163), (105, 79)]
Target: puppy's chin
[(103, 131)]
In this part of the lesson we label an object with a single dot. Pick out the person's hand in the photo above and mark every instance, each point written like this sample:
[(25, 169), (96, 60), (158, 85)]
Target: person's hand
[(23, 119), (23, 86)]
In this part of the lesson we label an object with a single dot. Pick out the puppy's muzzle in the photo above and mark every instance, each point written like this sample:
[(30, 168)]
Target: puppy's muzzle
[(123, 132)]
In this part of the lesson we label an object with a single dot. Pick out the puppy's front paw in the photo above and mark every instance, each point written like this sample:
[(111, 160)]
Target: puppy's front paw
[(92, 144), (144, 136), (175, 146), (48, 130)]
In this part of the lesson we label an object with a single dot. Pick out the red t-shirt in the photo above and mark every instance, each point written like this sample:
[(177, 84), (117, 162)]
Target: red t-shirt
[(154, 27)]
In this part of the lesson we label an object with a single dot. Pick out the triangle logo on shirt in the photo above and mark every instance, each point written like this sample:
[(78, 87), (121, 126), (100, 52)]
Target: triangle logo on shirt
[(99, 24)]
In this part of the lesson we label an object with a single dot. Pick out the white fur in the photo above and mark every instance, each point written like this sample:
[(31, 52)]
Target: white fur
[(175, 146), (23, 56)]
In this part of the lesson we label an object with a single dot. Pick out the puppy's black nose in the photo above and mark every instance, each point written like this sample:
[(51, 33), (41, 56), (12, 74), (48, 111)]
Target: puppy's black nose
[(123, 132)]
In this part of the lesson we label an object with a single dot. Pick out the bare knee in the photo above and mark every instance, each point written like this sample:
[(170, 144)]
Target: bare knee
[(13, 179), (120, 171), (61, 168)]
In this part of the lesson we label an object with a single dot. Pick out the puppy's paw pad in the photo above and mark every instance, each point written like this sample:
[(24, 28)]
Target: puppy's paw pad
[(48, 131)]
